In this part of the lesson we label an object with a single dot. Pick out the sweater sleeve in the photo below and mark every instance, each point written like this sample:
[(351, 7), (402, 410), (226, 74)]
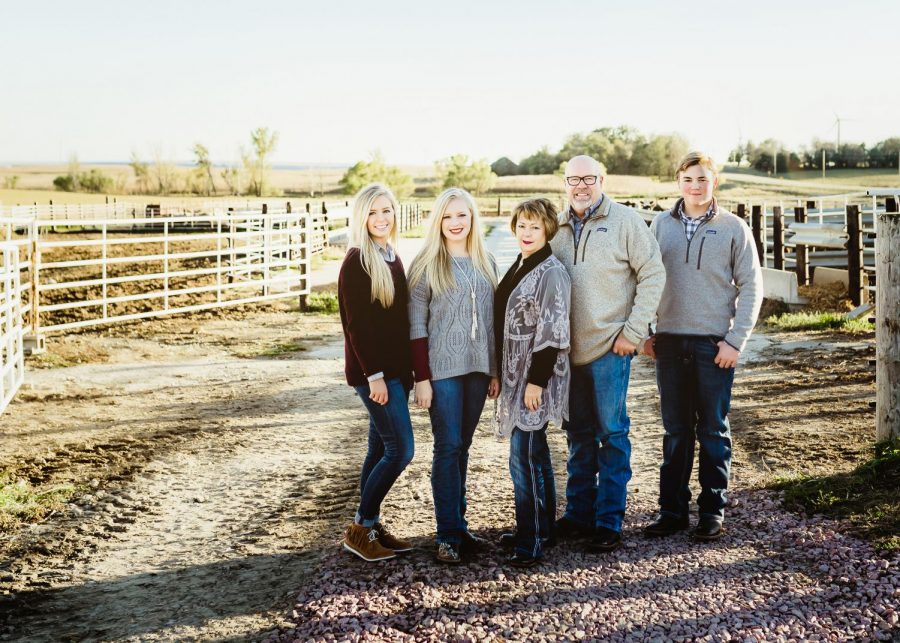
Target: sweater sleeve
[(748, 280), (646, 261), (542, 366), (355, 295), (421, 367), (419, 301)]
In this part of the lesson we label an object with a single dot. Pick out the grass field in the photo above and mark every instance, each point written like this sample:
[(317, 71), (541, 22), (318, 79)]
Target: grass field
[(35, 186)]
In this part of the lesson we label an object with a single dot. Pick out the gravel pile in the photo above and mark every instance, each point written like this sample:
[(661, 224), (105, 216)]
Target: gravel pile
[(775, 576)]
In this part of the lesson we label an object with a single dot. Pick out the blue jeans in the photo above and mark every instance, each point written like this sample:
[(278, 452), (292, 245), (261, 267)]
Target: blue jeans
[(599, 463), (534, 488), (456, 407), (695, 397), (390, 448)]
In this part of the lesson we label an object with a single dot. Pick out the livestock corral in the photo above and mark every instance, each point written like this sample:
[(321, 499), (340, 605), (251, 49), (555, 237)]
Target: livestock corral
[(207, 462)]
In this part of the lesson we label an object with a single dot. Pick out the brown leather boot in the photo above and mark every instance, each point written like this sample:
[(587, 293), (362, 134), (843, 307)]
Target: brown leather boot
[(363, 541), (389, 540)]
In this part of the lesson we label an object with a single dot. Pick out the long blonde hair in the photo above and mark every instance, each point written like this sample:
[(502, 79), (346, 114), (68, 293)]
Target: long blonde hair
[(372, 261), (433, 261)]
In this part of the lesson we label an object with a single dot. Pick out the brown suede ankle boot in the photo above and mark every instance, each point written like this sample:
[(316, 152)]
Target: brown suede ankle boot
[(363, 541), (389, 540)]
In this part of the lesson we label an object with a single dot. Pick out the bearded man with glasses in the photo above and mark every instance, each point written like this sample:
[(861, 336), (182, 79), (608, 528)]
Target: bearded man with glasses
[(617, 278)]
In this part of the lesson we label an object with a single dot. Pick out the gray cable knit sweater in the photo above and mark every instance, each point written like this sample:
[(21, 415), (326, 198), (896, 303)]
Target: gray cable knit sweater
[(446, 320)]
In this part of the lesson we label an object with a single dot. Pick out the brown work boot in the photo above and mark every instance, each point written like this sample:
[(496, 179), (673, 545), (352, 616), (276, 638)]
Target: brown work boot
[(389, 540), (363, 541)]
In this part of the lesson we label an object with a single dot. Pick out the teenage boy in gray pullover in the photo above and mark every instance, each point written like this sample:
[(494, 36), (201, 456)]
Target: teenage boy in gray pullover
[(708, 308)]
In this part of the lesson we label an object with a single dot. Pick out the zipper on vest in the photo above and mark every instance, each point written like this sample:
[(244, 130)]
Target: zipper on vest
[(584, 248), (575, 244), (700, 254)]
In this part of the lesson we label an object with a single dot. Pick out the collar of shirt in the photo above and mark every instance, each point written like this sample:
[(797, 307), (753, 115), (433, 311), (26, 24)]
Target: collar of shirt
[(591, 211), (710, 213), (387, 252)]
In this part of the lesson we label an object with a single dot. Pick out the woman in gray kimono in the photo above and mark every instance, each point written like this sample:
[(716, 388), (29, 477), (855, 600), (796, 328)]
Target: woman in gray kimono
[(531, 327)]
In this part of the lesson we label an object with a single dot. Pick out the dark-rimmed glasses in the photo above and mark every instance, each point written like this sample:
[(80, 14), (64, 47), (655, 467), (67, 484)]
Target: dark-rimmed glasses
[(575, 180)]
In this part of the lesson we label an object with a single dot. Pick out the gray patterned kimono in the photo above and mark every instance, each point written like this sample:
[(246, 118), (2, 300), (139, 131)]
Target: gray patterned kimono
[(537, 316)]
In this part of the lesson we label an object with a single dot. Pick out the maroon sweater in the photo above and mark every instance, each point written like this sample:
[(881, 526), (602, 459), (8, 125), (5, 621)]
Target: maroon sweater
[(376, 339)]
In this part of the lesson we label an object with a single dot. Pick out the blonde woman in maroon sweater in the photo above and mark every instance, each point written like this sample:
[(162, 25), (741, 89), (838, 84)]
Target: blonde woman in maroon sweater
[(372, 294)]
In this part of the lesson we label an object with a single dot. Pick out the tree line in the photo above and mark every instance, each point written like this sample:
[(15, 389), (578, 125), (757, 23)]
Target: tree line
[(623, 150), (159, 176), (773, 156)]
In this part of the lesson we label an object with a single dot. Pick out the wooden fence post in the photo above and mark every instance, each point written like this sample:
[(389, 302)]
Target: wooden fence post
[(499, 210), (759, 235), (855, 264), (742, 211), (887, 331), (778, 237), (801, 253)]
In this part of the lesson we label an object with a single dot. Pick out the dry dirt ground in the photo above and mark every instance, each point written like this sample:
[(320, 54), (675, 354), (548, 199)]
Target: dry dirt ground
[(216, 460)]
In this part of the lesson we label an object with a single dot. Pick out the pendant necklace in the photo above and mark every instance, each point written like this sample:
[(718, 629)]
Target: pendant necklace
[(472, 287)]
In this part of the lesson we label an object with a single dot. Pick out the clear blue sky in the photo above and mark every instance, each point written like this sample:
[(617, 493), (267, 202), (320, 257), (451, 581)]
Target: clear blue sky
[(423, 80)]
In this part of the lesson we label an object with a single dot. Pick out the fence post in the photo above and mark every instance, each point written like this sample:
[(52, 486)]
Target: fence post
[(305, 254), (759, 234), (800, 251), (742, 211), (778, 238), (36, 342), (855, 263), (887, 331)]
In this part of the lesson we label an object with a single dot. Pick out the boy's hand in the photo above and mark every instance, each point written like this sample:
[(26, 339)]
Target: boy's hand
[(623, 346), (533, 397), (727, 357), (378, 392), (494, 388), (649, 348)]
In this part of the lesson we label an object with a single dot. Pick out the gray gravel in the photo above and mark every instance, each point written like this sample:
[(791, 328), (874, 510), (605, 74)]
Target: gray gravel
[(776, 576)]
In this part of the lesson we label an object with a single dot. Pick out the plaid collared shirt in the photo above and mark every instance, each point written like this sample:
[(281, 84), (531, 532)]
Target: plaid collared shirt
[(578, 222), (691, 225)]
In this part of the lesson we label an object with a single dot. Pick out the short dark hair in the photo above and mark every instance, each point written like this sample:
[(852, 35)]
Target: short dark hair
[(540, 209)]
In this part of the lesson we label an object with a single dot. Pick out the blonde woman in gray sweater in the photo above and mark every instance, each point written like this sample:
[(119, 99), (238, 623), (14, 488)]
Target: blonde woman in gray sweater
[(452, 283)]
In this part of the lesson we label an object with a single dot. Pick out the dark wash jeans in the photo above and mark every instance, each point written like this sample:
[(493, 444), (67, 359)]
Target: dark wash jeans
[(599, 462), (390, 448), (695, 397), (534, 488), (456, 407)]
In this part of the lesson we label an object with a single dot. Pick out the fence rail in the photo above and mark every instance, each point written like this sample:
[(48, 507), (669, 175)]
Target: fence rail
[(12, 329)]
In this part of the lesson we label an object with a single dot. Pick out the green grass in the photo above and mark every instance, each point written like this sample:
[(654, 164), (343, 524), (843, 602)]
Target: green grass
[(271, 350), (21, 503), (819, 321), (413, 233), (322, 302), (868, 496)]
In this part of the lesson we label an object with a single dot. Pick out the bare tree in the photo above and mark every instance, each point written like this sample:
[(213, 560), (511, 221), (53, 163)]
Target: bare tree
[(204, 166), (256, 160)]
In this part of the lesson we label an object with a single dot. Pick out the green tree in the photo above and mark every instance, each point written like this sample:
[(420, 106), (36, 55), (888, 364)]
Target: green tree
[(256, 160), (658, 156), (459, 171), (541, 162), (885, 153), (204, 167), (503, 166), (375, 170)]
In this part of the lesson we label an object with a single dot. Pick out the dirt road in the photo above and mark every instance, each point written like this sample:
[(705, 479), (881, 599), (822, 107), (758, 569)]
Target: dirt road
[(216, 460)]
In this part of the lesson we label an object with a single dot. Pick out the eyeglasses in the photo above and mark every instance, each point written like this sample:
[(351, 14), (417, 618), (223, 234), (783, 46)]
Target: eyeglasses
[(575, 180)]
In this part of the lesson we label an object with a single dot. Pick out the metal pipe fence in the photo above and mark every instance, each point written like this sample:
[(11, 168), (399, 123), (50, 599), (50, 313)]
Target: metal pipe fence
[(12, 329)]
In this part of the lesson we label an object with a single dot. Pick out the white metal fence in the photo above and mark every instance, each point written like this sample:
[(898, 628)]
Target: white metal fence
[(100, 271), (12, 329)]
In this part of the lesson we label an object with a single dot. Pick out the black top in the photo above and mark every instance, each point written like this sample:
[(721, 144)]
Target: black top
[(542, 362), (376, 339)]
